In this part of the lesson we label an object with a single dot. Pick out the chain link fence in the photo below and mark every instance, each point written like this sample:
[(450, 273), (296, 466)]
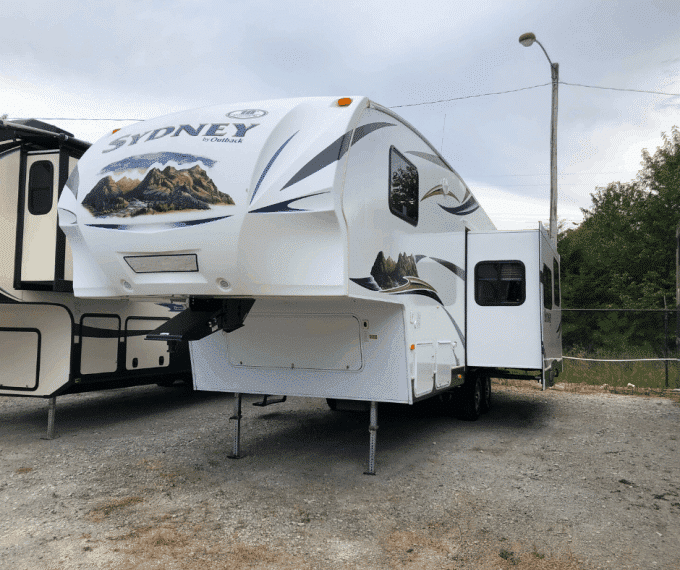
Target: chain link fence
[(622, 346)]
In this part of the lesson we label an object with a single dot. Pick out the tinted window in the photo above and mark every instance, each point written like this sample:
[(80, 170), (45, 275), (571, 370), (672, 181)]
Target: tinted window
[(546, 277), (403, 188), (556, 289), (500, 283), (40, 187)]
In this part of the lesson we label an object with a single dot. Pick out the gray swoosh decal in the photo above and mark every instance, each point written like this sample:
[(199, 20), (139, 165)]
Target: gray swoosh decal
[(285, 205), (168, 226), (363, 130), (455, 324), (451, 267), (464, 209), (433, 158), (269, 165), (334, 152)]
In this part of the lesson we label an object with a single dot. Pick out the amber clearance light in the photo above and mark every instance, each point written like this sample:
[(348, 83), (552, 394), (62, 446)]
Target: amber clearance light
[(344, 102)]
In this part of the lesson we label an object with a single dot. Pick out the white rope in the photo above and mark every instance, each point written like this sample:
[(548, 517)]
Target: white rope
[(621, 360)]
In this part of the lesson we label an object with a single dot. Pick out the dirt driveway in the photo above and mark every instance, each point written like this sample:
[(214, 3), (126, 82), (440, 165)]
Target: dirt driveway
[(139, 478)]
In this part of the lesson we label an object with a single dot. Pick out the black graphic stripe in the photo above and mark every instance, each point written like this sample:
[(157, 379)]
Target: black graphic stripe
[(455, 324), (366, 282), (464, 209), (424, 293), (95, 332), (285, 205), (451, 267), (363, 130), (269, 165), (169, 226), (433, 158), (6, 298), (327, 156), (334, 152)]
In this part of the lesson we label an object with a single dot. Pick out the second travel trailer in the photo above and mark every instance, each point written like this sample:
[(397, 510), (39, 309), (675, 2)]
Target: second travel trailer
[(324, 248), (52, 343)]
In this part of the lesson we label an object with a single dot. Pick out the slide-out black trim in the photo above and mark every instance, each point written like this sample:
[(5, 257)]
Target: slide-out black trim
[(60, 247), (21, 201)]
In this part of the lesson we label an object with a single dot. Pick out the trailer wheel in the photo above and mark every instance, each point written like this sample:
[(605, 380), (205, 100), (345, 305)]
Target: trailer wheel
[(447, 402), (471, 405), (486, 395)]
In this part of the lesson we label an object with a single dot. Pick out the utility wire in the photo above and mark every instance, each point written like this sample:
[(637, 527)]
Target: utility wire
[(469, 96), (548, 174), (620, 89), (534, 87), (425, 102)]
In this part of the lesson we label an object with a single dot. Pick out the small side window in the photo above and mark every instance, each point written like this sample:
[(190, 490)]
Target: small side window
[(403, 196), (546, 277), (500, 283), (40, 187), (556, 288)]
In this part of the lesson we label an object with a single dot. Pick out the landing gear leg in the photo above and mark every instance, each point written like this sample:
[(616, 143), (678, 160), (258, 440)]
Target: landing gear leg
[(236, 453), (51, 416), (373, 431)]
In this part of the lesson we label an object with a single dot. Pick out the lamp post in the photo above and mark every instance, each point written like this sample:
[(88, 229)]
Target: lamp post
[(526, 40)]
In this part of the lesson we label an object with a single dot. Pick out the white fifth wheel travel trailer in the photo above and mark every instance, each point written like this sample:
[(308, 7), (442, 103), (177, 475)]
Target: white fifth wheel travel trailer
[(50, 342), (324, 248)]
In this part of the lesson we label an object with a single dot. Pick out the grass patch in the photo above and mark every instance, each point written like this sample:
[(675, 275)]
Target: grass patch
[(101, 512), (619, 374)]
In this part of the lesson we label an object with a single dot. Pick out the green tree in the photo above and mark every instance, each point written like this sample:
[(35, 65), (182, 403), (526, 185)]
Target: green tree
[(623, 254)]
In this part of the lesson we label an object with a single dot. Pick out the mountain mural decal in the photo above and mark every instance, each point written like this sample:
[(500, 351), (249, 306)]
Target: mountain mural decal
[(389, 274), (398, 277), (167, 190)]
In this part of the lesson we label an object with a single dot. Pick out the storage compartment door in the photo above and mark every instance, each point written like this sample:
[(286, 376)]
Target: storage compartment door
[(139, 352), (425, 369), (316, 342), (100, 336)]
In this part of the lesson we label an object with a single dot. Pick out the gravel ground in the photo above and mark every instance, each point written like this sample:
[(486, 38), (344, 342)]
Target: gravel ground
[(139, 478)]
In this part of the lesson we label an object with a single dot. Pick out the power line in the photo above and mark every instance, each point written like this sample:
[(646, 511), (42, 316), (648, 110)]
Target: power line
[(534, 87), (620, 89), (584, 172), (469, 96), (562, 184), (424, 102)]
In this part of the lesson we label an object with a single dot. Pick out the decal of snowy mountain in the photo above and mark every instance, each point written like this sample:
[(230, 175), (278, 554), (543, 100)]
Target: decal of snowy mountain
[(167, 190), (401, 278), (389, 274), (396, 277)]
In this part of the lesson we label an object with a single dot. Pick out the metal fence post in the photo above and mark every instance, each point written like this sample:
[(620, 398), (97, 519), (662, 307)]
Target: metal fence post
[(665, 344)]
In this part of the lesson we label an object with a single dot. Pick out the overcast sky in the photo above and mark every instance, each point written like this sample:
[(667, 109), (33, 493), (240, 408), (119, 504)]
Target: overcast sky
[(136, 60)]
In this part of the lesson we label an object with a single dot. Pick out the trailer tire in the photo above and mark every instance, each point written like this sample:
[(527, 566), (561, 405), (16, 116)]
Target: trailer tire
[(471, 404), (448, 402), (486, 395)]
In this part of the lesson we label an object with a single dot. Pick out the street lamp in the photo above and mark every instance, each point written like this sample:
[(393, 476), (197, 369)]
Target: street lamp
[(526, 40)]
